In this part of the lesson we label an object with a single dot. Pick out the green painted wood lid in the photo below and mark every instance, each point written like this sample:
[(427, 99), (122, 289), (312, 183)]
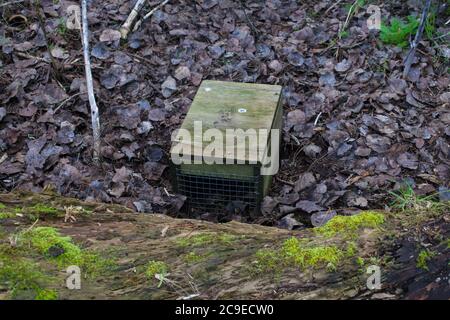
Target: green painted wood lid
[(230, 105)]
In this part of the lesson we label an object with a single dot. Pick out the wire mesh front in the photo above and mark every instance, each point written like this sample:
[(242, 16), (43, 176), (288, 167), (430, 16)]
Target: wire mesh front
[(218, 192)]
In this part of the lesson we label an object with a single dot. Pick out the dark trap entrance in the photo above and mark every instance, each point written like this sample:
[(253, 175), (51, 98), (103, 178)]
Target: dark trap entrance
[(225, 193)]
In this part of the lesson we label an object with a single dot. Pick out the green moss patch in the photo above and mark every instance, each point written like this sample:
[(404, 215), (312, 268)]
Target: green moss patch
[(33, 212), (348, 226), (20, 276), (61, 249), (294, 253), (7, 215), (46, 294), (193, 257), (205, 239), (4, 213), (25, 267)]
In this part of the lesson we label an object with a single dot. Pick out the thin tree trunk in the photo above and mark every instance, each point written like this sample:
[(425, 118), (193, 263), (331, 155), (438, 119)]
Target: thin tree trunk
[(89, 83)]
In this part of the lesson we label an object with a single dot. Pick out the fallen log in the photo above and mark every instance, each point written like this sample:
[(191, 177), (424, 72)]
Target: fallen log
[(127, 255)]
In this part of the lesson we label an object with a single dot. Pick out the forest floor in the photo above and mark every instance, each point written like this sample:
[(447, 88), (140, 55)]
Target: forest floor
[(127, 255), (354, 127), (355, 130)]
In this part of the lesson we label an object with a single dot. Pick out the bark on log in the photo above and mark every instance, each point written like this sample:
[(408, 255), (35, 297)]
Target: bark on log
[(212, 261)]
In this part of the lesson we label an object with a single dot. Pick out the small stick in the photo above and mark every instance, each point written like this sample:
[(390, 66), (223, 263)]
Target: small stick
[(126, 26), (10, 3), (317, 118), (350, 14), (32, 226), (65, 101), (285, 181), (54, 64), (138, 24), (250, 23), (167, 192), (331, 7), (89, 83), (412, 51)]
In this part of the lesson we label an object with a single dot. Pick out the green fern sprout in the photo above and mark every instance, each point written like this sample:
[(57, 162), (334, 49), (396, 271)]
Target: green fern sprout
[(399, 32)]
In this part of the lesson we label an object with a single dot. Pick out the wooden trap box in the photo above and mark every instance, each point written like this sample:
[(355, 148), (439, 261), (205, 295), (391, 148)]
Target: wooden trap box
[(237, 173)]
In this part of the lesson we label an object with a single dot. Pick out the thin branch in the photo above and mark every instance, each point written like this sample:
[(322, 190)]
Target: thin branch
[(126, 26), (250, 23), (37, 8), (65, 101), (331, 7), (351, 13), (138, 24), (11, 3), (89, 83), (412, 52)]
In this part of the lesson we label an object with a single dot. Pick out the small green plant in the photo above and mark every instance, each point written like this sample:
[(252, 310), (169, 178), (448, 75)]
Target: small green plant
[(405, 198), (154, 268), (62, 27), (423, 258), (343, 34), (399, 32), (360, 261)]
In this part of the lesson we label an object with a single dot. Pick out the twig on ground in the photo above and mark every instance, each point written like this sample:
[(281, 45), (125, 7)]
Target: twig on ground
[(29, 56), (126, 26), (285, 181), (442, 35), (167, 192), (138, 24), (37, 8), (11, 3), (89, 83), (3, 157), (250, 23), (351, 12), (317, 119), (65, 101), (412, 51), (331, 7), (32, 226)]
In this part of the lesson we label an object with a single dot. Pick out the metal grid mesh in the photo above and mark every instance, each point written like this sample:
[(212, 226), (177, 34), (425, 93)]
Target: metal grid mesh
[(216, 191)]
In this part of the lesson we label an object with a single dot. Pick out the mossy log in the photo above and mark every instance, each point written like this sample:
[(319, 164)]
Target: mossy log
[(126, 255)]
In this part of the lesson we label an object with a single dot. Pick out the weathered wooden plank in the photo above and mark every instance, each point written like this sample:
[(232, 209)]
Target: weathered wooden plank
[(229, 105)]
